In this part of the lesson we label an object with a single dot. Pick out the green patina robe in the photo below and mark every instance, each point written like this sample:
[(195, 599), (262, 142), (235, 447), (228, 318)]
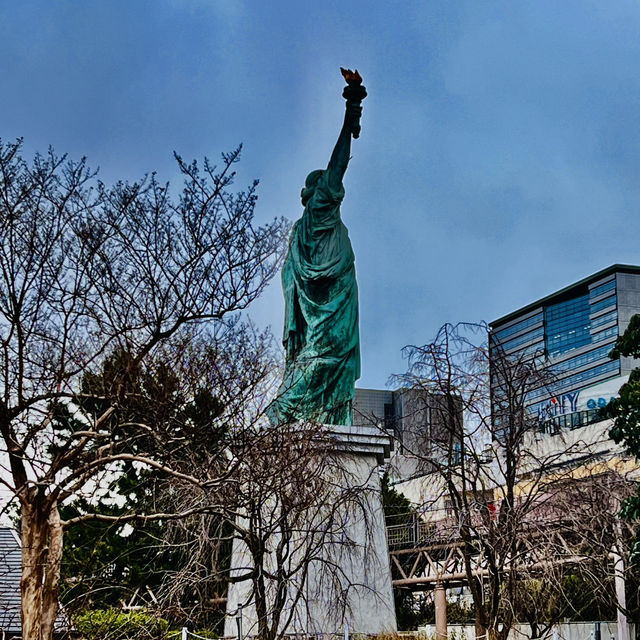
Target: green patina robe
[(321, 335)]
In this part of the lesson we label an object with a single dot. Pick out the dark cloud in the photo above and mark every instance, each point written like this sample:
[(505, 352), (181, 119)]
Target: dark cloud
[(500, 147)]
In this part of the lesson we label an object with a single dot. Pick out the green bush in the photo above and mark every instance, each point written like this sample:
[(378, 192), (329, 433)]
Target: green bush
[(112, 624)]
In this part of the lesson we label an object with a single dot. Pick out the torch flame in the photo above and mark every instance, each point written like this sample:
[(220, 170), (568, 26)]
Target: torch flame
[(352, 77)]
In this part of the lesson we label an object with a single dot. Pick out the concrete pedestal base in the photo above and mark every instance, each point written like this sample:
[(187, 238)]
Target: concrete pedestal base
[(349, 579)]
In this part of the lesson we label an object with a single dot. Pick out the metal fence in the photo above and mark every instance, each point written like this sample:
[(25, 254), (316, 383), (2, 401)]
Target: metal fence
[(419, 531), (336, 635)]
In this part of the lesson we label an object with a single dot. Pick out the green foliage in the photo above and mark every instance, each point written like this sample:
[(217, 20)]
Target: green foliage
[(542, 602), (625, 410), (582, 602), (411, 612), (152, 395), (459, 613), (416, 609), (207, 633), (397, 508), (105, 563), (112, 624), (101, 565), (628, 344)]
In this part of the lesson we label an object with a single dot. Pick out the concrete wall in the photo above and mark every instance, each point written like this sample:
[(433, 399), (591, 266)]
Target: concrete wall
[(592, 440), (353, 539)]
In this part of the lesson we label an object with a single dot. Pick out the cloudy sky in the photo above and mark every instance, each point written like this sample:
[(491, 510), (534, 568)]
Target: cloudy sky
[(500, 151)]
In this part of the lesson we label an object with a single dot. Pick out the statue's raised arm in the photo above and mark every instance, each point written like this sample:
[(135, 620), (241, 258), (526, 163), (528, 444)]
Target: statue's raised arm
[(354, 93)]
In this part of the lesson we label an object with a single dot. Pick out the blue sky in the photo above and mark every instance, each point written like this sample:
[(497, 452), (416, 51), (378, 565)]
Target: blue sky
[(500, 151)]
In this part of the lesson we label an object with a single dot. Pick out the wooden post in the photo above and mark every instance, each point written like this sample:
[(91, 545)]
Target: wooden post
[(619, 577), (440, 597)]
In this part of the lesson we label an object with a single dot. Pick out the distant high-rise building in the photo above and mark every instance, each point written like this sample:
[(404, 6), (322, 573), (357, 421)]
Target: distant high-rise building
[(418, 420), (572, 332)]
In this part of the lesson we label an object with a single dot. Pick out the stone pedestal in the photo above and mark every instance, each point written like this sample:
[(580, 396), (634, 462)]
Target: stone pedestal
[(352, 582)]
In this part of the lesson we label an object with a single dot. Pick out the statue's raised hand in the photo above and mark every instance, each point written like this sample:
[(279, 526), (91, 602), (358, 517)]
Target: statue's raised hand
[(354, 93), (352, 117)]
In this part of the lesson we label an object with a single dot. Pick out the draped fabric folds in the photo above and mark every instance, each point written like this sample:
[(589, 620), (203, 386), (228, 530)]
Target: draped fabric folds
[(321, 335)]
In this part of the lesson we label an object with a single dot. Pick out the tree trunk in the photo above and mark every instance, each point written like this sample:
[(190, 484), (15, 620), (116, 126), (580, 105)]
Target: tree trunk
[(42, 537), (51, 584), (481, 630), (494, 633), (477, 592), (34, 549)]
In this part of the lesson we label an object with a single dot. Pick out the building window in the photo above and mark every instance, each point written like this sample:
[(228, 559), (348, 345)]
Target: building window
[(501, 334), (392, 425), (603, 304), (607, 317), (536, 334), (603, 288), (567, 383), (603, 335), (567, 325), (582, 360)]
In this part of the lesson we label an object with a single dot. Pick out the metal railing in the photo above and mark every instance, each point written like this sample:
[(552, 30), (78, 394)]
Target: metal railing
[(420, 531), (343, 634), (440, 526)]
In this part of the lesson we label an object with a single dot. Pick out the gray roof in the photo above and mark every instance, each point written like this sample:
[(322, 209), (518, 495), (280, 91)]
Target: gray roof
[(10, 571)]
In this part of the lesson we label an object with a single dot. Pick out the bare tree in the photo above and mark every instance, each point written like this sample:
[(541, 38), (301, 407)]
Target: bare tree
[(87, 270), (505, 490), (300, 518), (203, 390)]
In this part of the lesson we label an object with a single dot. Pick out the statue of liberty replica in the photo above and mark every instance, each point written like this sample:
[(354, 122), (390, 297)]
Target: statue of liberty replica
[(321, 336), (339, 526)]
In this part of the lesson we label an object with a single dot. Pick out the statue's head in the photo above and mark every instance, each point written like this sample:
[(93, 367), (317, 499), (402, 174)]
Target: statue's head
[(310, 186)]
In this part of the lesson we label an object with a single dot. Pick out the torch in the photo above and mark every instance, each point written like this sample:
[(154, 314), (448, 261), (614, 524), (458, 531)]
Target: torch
[(354, 93)]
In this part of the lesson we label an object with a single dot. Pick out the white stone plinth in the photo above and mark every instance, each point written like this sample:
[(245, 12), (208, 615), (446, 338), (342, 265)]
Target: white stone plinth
[(359, 593)]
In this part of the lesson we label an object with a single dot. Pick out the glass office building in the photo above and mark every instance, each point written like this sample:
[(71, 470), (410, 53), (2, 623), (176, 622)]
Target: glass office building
[(571, 333)]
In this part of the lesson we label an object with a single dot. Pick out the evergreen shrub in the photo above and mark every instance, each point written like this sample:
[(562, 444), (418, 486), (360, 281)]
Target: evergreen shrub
[(113, 624)]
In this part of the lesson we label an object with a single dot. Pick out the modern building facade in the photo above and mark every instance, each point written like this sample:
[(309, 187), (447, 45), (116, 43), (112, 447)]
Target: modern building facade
[(419, 422), (572, 332), (405, 413)]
